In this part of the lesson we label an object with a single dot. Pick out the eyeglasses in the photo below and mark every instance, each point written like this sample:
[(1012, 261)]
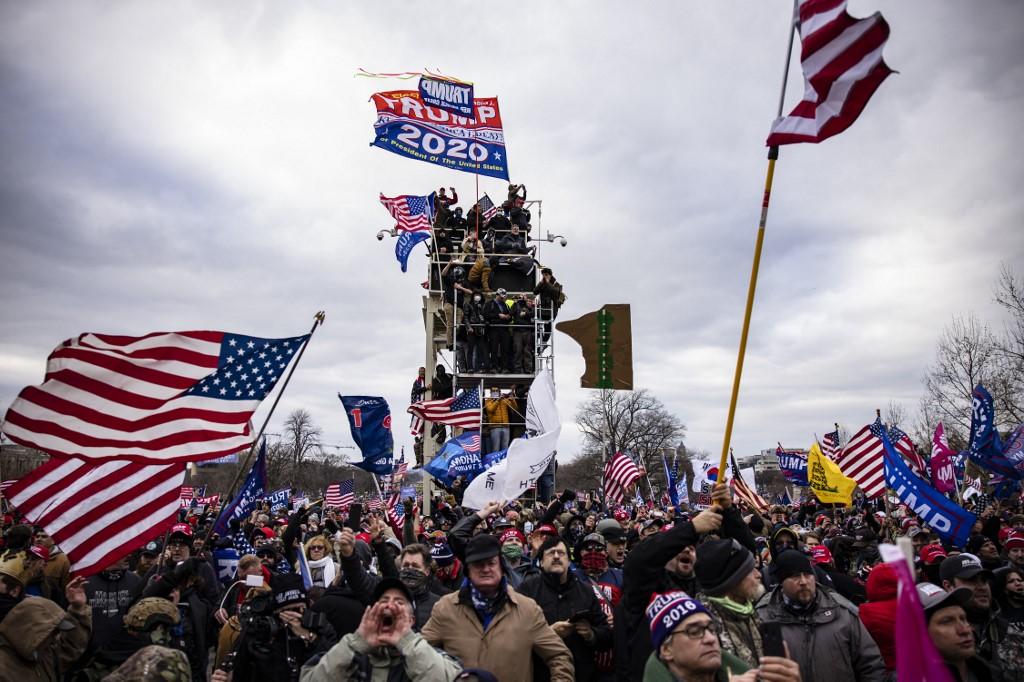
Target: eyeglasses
[(696, 631), (317, 548)]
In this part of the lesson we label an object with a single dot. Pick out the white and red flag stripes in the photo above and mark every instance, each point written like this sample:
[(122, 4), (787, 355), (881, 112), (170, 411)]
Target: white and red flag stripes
[(341, 494), (462, 410), (163, 397), (841, 59), (744, 491), (863, 460), (98, 512), (619, 473)]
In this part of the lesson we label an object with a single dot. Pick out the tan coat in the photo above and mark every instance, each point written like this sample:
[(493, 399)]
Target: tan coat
[(504, 649), (28, 649)]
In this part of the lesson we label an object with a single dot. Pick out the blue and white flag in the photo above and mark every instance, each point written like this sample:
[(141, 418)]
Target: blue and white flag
[(986, 450), (369, 418), (252, 490), (278, 499), (226, 560), (405, 244), (670, 478), (639, 501), (951, 521), (449, 95), (307, 577), (793, 466), (460, 456)]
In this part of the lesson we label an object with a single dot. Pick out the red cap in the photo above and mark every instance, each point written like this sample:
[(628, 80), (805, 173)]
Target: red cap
[(512, 533), (545, 529), (267, 532), (932, 553), (40, 551), (621, 515), (365, 537), (819, 518), (1004, 533), (182, 529), (820, 554), (1014, 540)]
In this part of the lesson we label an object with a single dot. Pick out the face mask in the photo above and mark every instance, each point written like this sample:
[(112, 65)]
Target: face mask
[(512, 552), (160, 635), (413, 579), (113, 576), (595, 561)]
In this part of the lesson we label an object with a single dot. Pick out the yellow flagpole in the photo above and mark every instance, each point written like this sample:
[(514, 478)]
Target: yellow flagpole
[(773, 155)]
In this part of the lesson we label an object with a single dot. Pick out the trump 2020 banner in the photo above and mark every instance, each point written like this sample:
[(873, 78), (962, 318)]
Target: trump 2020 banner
[(449, 95), (407, 126)]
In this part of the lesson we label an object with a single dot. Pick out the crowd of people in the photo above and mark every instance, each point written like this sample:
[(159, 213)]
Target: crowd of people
[(574, 589), (491, 330)]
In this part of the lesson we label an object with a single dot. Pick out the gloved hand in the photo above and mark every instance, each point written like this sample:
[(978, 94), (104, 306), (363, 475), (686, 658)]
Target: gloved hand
[(567, 496)]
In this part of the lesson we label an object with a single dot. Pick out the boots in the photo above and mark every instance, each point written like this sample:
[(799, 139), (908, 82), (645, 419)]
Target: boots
[(485, 279)]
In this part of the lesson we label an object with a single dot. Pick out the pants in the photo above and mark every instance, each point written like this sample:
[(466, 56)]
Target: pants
[(501, 346), (546, 484), (476, 352), (452, 318), (522, 351), (480, 274), (499, 438)]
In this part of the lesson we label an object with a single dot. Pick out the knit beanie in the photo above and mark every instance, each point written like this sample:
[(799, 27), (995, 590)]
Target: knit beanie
[(791, 562), (288, 589), (722, 565), (666, 611), (442, 554)]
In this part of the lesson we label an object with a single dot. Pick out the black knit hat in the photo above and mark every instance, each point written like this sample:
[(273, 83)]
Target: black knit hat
[(288, 589), (482, 546), (721, 565), (791, 562)]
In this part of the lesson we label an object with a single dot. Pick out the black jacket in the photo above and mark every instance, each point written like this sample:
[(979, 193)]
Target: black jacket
[(342, 608), (280, 659), (561, 601), (109, 600)]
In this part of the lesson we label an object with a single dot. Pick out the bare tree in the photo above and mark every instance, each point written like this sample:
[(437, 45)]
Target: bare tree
[(302, 436), (895, 415), (967, 355), (1008, 390), (633, 421)]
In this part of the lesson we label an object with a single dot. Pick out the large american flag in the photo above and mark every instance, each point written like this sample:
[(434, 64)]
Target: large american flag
[(830, 445), (99, 512), (163, 397), (487, 208), (5, 485), (902, 444), (411, 213), (341, 494), (842, 64), (462, 410), (863, 459), (619, 473)]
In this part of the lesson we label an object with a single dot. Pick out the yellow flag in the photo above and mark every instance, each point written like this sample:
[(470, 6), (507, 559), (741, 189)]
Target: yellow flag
[(827, 481)]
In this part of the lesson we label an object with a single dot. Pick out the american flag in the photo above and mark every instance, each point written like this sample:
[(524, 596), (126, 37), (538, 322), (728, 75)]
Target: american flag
[(842, 65), (743, 491), (619, 473), (5, 485), (416, 427), (163, 397), (401, 469), (412, 213), (863, 459), (341, 494), (99, 512), (902, 444), (374, 504), (463, 410), (187, 492), (830, 445), (487, 208)]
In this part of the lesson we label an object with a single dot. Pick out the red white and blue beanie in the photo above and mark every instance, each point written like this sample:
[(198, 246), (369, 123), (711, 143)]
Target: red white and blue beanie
[(667, 610)]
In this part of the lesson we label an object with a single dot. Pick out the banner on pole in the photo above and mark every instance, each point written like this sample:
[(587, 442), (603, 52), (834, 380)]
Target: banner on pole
[(409, 127), (448, 95)]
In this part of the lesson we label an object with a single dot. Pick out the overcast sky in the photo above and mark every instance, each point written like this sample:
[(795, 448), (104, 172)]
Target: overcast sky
[(195, 165)]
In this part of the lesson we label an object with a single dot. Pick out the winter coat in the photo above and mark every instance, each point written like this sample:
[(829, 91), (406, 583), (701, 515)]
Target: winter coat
[(656, 671), (280, 659), (459, 537), (424, 607), (560, 602), (28, 627), (516, 630), (879, 613), (740, 633), (342, 608), (352, 658), (829, 641), (109, 600)]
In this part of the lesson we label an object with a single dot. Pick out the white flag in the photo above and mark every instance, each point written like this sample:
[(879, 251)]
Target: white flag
[(541, 412), (526, 460), (700, 475)]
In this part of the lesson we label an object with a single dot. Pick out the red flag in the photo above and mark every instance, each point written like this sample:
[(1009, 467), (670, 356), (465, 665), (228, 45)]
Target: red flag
[(943, 472), (619, 473), (842, 64)]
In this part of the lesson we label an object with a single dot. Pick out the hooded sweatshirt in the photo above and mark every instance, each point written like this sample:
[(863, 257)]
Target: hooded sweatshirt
[(879, 613), (28, 651)]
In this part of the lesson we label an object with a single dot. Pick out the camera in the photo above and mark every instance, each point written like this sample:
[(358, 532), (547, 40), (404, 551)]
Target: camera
[(257, 617)]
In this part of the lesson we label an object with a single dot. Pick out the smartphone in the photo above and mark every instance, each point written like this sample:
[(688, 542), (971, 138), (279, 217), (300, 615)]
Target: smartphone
[(771, 637), (254, 580), (355, 517), (580, 616)]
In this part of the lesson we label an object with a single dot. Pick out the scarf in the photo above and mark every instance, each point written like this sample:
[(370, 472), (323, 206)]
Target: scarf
[(746, 610), (321, 571), (798, 608), (486, 607)]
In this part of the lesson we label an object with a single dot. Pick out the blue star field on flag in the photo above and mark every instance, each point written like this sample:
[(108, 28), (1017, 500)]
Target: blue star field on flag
[(248, 367)]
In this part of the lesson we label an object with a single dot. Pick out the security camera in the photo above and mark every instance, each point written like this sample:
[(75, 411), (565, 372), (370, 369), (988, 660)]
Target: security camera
[(563, 241), (380, 236)]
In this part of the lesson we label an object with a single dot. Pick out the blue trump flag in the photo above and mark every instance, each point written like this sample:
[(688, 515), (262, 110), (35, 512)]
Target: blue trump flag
[(226, 559), (460, 456), (278, 499), (248, 496), (986, 450), (405, 244), (670, 478), (793, 466), (369, 417), (951, 521)]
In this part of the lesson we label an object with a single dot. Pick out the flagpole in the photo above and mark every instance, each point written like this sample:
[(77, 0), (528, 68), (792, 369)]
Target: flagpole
[(318, 319), (773, 155)]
